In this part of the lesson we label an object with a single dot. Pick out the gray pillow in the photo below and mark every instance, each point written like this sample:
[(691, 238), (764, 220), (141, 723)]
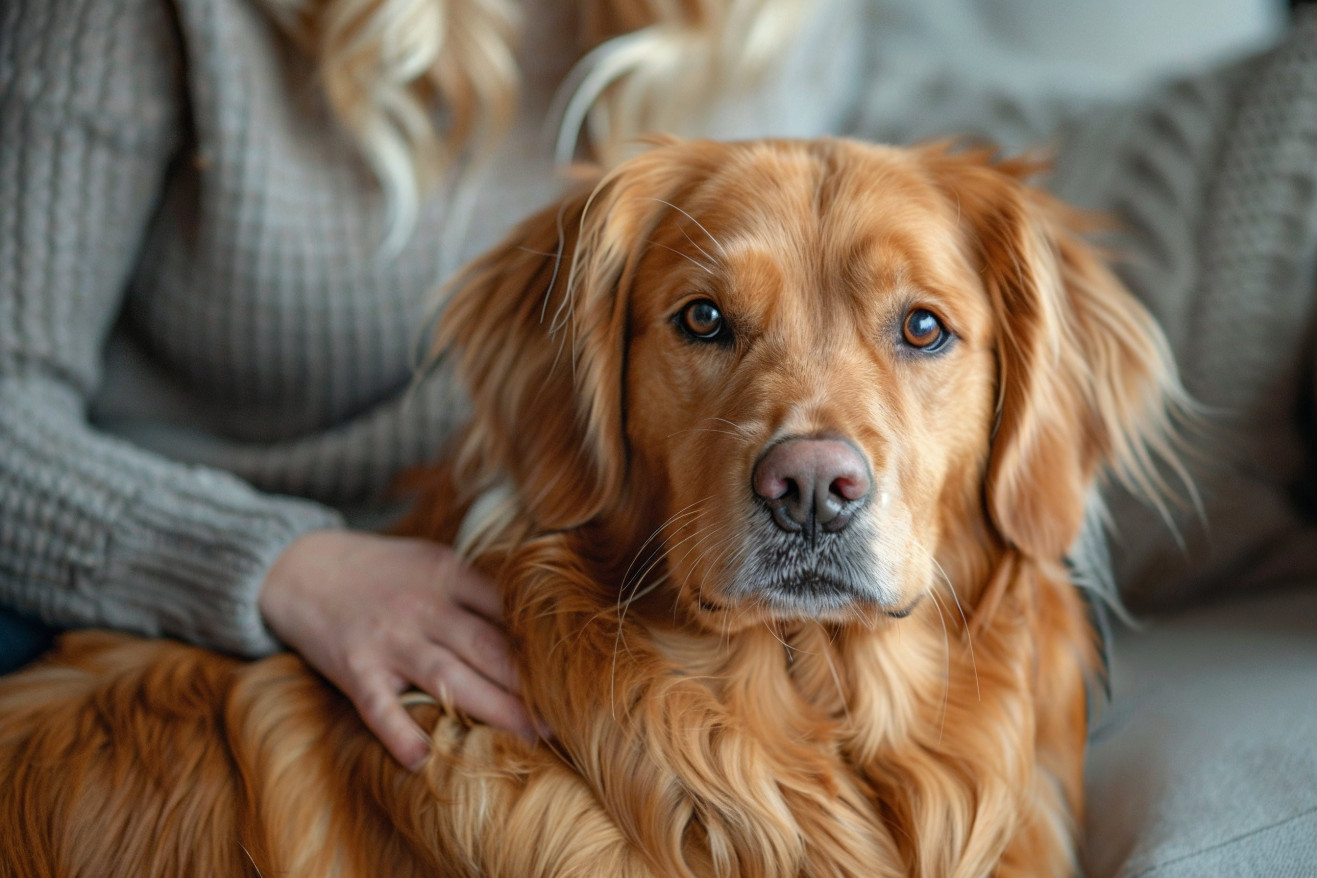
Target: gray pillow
[(1213, 179)]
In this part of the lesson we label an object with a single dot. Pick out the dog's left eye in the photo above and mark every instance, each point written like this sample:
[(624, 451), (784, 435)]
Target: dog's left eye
[(702, 320), (924, 331)]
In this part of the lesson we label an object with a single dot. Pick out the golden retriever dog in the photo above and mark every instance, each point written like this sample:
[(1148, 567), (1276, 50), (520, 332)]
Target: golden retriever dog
[(777, 452)]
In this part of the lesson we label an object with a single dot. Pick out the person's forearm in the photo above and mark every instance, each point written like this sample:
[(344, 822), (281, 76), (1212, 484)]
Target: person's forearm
[(94, 531)]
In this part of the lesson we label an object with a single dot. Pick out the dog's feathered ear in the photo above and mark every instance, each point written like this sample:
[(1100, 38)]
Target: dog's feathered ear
[(538, 327), (1086, 379)]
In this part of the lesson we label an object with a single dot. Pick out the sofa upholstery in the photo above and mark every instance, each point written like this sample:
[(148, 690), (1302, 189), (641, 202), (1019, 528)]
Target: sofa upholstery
[(1204, 763)]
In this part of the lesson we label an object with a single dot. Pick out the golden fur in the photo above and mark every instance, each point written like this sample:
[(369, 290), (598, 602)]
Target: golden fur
[(930, 721)]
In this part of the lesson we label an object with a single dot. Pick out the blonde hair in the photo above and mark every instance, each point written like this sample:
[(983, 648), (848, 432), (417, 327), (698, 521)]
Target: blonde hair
[(420, 84), (659, 66), (413, 82)]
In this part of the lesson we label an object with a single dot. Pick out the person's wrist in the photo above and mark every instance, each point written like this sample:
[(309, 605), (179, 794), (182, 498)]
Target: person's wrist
[(287, 571)]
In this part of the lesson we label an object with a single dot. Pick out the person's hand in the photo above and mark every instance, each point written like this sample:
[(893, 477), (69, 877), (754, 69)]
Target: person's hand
[(378, 615)]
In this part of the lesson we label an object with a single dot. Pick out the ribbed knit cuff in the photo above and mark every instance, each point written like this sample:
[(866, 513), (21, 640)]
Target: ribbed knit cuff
[(194, 559)]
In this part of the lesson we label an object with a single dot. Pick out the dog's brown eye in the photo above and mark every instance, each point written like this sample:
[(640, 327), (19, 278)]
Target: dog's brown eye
[(701, 319), (923, 330)]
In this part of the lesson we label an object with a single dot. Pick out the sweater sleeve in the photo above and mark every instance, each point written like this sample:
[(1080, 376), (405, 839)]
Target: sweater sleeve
[(93, 530)]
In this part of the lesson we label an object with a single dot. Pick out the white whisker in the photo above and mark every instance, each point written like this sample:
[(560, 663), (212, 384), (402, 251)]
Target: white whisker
[(946, 653), (251, 858), (969, 634), (704, 430), (624, 605), (768, 626), (692, 260), (688, 510), (724, 540), (742, 430), (836, 680), (698, 535), (737, 431), (701, 227)]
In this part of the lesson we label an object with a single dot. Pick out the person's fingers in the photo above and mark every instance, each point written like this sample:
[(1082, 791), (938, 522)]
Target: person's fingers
[(479, 644), (474, 591), (380, 708), (448, 678), (377, 614)]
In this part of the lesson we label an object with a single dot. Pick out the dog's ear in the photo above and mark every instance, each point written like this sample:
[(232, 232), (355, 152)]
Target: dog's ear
[(1085, 376), (538, 327)]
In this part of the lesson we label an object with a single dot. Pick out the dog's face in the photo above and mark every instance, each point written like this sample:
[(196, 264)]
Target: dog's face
[(803, 379), (810, 380)]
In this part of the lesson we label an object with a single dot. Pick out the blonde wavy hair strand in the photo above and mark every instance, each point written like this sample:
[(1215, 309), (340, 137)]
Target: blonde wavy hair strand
[(420, 85), (415, 83), (666, 68)]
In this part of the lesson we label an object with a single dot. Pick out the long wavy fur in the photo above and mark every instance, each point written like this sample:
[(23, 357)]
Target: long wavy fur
[(604, 482)]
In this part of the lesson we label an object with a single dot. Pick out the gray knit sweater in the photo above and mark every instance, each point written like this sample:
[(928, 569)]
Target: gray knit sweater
[(202, 353)]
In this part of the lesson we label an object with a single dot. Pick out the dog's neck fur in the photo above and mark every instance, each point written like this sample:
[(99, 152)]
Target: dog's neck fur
[(848, 702), (845, 702)]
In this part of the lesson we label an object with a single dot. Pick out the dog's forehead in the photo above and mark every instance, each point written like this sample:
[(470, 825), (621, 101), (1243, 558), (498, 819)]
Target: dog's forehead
[(841, 218)]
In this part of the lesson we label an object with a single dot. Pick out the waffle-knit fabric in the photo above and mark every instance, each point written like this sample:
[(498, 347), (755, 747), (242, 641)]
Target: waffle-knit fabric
[(1214, 179), (203, 351)]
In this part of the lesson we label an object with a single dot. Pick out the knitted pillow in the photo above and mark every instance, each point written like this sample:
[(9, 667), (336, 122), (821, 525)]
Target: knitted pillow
[(1214, 181)]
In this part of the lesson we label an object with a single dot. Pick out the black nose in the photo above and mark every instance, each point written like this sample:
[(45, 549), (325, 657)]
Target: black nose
[(808, 483)]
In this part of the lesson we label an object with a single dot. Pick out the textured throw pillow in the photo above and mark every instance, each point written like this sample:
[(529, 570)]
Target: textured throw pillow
[(1214, 182)]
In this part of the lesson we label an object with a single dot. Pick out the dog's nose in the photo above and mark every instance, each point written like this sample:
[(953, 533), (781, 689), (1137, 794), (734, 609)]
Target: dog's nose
[(810, 483)]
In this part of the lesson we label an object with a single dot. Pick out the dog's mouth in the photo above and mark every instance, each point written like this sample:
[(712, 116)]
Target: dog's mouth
[(813, 597), (810, 590), (803, 593), (833, 577)]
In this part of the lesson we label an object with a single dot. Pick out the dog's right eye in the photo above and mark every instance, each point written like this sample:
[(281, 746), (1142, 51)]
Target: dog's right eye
[(923, 331), (702, 321)]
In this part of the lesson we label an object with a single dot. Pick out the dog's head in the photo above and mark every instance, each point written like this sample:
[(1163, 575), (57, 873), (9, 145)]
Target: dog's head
[(802, 379)]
